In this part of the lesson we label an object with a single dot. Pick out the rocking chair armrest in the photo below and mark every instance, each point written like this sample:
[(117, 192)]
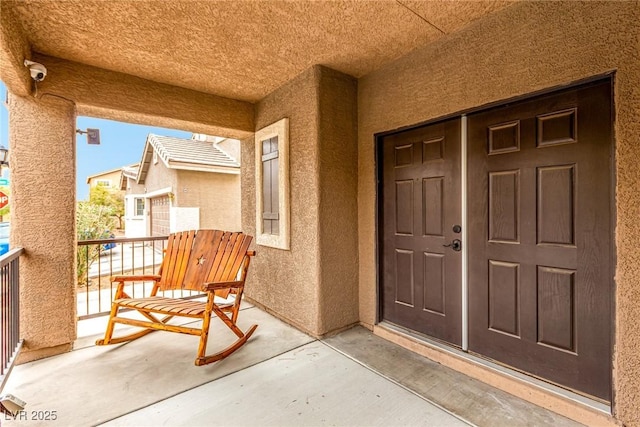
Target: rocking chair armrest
[(135, 278), (213, 286)]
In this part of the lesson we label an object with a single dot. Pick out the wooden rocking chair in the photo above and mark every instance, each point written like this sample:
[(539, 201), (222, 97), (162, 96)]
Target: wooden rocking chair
[(211, 261)]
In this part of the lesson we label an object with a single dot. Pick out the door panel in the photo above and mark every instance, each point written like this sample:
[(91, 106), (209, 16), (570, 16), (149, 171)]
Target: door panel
[(420, 279), (540, 247), (160, 216)]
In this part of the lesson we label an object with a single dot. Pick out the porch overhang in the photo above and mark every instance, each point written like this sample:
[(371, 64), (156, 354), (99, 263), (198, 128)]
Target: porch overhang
[(14, 49), (230, 50), (123, 97)]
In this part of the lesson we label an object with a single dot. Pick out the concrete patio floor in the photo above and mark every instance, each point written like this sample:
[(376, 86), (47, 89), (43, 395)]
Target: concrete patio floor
[(280, 377)]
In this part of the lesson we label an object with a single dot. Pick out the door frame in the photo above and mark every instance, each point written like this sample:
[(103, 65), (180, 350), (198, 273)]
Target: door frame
[(464, 274), (378, 139)]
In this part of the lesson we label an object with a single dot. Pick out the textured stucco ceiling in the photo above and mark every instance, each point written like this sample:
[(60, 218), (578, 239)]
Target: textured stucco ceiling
[(238, 49)]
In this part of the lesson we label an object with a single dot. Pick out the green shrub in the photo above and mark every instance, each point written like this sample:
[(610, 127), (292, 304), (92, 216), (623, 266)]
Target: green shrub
[(93, 221)]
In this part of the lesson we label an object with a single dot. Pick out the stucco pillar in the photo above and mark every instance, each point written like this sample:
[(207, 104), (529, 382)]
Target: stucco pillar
[(338, 205), (42, 162), (314, 285)]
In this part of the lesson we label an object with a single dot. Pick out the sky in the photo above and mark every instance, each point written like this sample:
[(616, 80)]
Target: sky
[(121, 144)]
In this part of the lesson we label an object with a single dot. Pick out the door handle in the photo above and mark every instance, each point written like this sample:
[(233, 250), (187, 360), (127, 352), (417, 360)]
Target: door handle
[(456, 245)]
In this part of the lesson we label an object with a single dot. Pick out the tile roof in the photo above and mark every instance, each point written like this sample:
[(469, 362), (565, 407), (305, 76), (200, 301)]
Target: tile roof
[(186, 154), (172, 149), (130, 171)]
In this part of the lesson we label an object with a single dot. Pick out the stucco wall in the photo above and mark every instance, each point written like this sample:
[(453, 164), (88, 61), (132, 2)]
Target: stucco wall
[(286, 282), (159, 176), (14, 46), (526, 47), (216, 194), (47, 270), (313, 285), (123, 97), (338, 210), (232, 148)]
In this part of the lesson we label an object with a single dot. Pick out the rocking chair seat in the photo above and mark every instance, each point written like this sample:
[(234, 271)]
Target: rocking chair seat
[(174, 306)]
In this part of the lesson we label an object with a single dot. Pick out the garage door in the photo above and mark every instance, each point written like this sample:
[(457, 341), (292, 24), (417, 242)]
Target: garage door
[(160, 216)]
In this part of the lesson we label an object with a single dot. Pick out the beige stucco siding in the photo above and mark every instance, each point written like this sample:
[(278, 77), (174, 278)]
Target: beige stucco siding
[(14, 47), (159, 176), (286, 282), (43, 221), (524, 48), (122, 97), (135, 188), (328, 278), (338, 212), (216, 194), (313, 285)]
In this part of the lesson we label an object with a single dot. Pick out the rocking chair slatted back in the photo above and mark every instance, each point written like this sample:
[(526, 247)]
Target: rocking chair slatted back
[(232, 268), (227, 269), (176, 258), (206, 256), (206, 248), (229, 266)]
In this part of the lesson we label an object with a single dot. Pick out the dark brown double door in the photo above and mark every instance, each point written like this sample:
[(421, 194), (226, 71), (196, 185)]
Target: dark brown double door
[(539, 236)]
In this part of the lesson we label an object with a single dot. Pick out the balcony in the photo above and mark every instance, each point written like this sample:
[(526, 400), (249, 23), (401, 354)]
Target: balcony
[(281, 377)]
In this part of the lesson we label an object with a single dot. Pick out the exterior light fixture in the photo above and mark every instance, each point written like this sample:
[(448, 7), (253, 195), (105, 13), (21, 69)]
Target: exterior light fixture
[(93, 135), (4, 155)]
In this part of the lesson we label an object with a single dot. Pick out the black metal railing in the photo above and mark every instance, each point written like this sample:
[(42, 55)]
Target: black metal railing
[(100, 259), (10, 341)]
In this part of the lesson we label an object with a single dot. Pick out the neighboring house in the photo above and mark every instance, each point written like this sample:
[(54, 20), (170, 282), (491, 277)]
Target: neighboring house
[(109, 179), (183, 184)]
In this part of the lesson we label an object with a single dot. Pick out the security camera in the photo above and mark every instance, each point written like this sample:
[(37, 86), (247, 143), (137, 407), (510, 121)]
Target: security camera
[(38, 71)]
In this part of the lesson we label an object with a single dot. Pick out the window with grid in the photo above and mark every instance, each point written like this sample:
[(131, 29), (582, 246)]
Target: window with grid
[(139, 206)]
